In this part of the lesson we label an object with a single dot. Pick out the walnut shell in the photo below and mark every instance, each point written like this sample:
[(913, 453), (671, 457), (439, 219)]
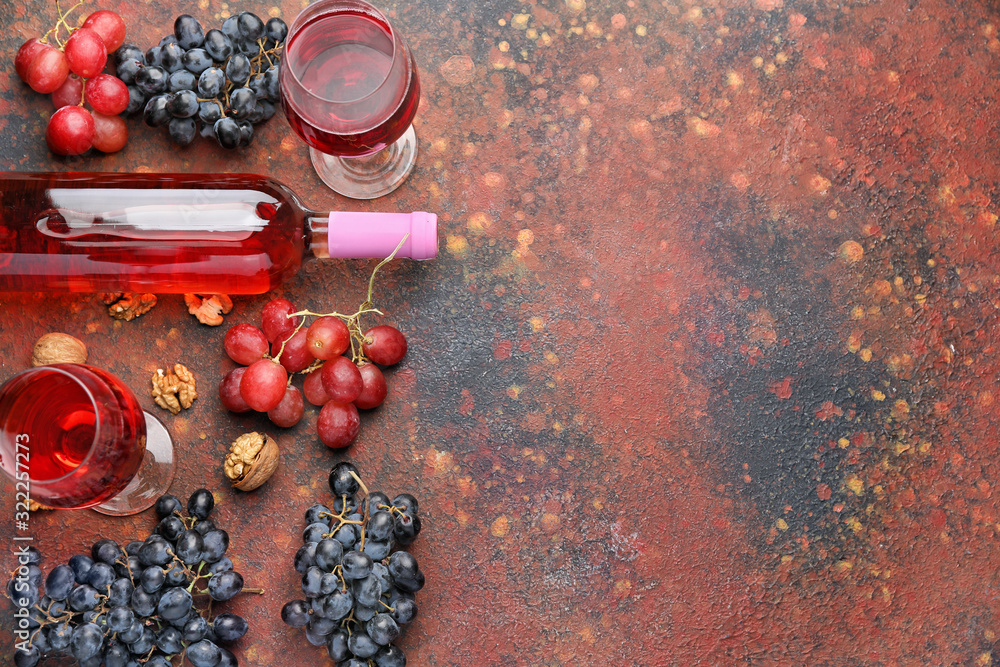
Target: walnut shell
[(58, 348), (252, 459)]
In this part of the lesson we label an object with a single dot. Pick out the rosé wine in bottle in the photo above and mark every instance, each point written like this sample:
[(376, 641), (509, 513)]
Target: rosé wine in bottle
[(179, 233)]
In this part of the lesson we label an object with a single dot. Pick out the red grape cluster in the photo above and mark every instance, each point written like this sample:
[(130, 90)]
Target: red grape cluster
[(340, 384), (71, 71)]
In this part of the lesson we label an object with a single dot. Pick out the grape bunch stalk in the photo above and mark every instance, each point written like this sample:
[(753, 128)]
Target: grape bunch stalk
[(336, 353), (218, 83), (358, 591), (137, 605)]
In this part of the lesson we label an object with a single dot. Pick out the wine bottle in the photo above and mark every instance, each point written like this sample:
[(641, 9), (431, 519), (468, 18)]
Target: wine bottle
[(179, 233)]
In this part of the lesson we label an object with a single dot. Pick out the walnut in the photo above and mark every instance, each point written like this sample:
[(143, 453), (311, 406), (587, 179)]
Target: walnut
[(208, 308), (35, 506), (173, 390), (252, 459), (58, 348), (128, 305)]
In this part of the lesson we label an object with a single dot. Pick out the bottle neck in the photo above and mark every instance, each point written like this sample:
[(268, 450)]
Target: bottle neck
[(318, 237), (343, 234)]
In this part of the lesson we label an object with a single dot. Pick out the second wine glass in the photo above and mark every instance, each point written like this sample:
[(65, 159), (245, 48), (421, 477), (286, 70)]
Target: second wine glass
[(73, 436), (350, 89)]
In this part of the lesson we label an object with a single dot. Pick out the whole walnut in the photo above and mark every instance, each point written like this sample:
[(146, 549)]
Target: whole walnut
[(58, 348)]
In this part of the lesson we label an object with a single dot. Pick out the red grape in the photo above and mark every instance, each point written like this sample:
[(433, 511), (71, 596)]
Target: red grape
[(229, 391), (313, 389), (109, 27), (70, 131), (245, 343), (68, 94), (384, 345), (110, 133), (26, 56), (328, 338), (107, 94), (341, 380), (86, 53), (338, 424), (295, 355), (263, 385), (274, 322), (47, 71), (289, 411), (374, 390)]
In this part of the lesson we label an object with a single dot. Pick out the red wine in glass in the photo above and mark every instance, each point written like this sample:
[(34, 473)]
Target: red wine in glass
[(350, 89), (76, 437)]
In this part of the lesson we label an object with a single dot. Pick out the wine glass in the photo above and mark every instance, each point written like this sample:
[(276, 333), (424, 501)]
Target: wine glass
[(349, 87), (73, 436)]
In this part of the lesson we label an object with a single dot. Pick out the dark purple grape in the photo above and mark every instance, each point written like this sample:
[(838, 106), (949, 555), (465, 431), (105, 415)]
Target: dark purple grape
[(170, 527), (250, 26), (361, 645), (195, 629), (356, 565), (183, 104), (188, 31), (238, 69), (225, 585), (167, 504), (201, 503), (120, 591), (276, 29), (128, 52), (181, 80), (342, 481), (60, 582), (229, 627), (218, 45), (404, 610), (295, 613), (81, 567), (152, 56), (83, 598), (382, 628), (336, 646), (152, 80), (86, 642), (175, 603), (204, 654), (211, 82), (170, 640), (227, 132), (128, 69), (196, 60), (390, 656), (170, 57)]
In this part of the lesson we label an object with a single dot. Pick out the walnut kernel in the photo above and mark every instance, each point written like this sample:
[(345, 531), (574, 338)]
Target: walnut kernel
[(174, 389), (128, 305), (208, 308), (58, 348), (252, 459)]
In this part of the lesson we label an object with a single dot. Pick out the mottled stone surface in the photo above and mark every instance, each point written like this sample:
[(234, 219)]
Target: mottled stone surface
[(706, 371)]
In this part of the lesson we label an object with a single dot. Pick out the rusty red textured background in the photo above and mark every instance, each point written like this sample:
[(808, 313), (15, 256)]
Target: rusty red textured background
[(706, 371)]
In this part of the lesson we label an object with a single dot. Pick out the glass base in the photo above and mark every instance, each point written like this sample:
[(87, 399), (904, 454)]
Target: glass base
[(153, 478), (370, 176)]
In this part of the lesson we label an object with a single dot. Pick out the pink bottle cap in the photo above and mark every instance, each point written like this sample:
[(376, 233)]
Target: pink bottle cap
[(377, 234)]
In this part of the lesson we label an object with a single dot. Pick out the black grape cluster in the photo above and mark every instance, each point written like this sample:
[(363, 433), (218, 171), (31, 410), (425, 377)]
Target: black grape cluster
[(218, 83), (358, 591), (133, 606)]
